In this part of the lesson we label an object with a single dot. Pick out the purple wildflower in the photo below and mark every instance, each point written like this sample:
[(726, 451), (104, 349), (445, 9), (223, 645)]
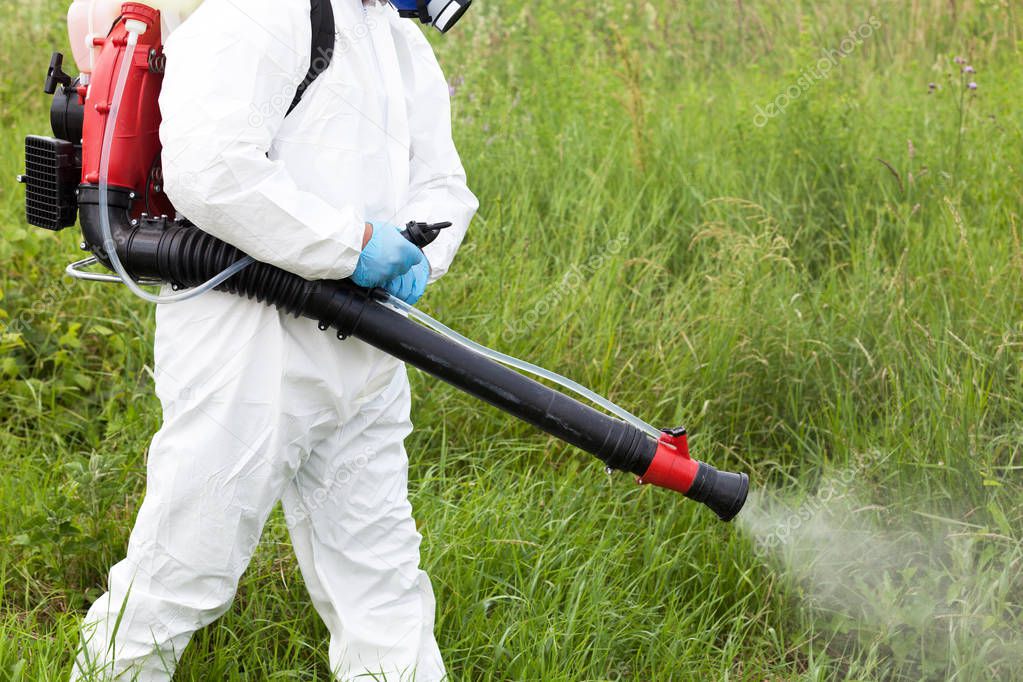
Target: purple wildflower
[(972, 85), (968, 69), (959, 60), (931, 87), (454, 84)]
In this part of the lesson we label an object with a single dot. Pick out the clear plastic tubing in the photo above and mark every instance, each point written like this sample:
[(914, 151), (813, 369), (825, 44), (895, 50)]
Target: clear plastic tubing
[(524, 366), (134, 29)]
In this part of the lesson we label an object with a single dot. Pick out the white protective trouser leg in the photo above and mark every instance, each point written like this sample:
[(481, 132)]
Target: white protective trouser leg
[(258, 408), (358, 547)]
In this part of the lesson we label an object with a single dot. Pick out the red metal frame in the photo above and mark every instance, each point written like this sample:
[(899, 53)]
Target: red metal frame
[(134, 156)]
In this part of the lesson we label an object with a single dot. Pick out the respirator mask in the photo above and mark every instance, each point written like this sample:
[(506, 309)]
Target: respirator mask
[(443, 14)]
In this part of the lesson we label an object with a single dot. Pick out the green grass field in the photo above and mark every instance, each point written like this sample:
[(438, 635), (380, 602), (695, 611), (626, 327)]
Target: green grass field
[(817, 269)]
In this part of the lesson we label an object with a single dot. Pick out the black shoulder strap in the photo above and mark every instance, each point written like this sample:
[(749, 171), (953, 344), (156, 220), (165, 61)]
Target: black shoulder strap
[(321, 16)]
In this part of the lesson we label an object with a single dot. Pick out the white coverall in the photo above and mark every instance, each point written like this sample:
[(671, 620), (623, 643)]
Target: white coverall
[(259, 407)]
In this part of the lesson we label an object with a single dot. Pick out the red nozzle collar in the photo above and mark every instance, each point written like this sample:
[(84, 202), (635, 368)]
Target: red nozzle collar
[(671, 467)]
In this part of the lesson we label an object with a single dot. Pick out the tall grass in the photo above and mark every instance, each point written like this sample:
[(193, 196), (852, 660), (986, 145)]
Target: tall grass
[(838, 289)]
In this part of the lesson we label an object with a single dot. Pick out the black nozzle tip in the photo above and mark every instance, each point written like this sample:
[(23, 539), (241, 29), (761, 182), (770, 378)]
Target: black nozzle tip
[(722, 491)]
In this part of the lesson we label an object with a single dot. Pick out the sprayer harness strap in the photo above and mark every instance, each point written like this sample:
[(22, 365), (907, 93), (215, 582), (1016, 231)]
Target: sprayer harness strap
[(321, 16)]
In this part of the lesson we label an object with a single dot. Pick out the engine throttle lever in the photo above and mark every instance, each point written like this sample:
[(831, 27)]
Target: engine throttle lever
[(422, 234)]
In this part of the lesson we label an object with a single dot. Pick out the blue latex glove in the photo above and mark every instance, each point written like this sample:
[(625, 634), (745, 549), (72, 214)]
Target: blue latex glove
[(410, 286), (385, 257)]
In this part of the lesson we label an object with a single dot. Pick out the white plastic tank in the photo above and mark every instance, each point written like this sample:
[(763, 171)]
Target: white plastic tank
[(173, 12), (87, 19), (181, 7)]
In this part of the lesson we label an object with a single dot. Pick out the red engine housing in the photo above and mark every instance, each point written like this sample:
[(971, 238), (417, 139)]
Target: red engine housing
[(135, 153)]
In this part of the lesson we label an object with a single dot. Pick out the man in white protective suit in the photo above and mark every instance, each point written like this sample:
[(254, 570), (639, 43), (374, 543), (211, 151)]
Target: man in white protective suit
[(260, 407)]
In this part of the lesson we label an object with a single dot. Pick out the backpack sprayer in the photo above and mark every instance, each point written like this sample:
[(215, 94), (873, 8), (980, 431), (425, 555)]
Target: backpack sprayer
[(103, 165)]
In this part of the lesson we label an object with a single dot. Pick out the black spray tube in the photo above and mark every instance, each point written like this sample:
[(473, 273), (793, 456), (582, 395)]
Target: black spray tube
[(182, 254)]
